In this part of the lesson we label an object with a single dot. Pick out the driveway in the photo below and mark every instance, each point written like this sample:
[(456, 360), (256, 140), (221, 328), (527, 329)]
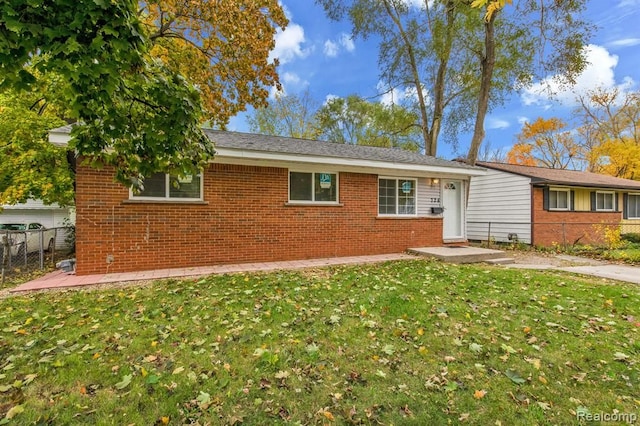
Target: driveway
[(577, 265)]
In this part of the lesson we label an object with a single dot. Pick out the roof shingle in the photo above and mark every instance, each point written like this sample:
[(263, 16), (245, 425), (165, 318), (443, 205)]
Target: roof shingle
[(564, 177), (285, 145)]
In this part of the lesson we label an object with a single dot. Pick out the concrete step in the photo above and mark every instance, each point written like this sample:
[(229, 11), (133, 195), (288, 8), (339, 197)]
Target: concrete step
[(458, 254), (502, 261)]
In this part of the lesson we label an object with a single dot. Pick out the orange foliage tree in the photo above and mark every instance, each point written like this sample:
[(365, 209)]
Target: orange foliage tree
[(546, 143), (220, 46)]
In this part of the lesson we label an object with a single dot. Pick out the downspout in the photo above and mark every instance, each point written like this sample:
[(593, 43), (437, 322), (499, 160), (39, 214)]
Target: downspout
[(533, 219)]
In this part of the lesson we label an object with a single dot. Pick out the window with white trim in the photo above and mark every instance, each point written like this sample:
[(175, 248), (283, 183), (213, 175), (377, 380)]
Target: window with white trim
[(162, 186), (313, 187), (396, 197), (633, 206), (605, 201), (559, 199)]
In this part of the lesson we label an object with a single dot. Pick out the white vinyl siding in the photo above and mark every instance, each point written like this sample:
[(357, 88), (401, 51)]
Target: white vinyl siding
[(502, 199), (428, 196)]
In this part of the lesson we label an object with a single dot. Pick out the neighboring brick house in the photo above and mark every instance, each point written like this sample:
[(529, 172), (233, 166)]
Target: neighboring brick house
[(543, 207), (267, 198)]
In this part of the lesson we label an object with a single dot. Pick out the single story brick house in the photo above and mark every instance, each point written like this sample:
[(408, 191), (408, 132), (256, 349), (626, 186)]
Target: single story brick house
[(543, 207), (267, 198)]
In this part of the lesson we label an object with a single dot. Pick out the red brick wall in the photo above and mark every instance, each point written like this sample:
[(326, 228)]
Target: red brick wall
[(245, 219), (568, 227)]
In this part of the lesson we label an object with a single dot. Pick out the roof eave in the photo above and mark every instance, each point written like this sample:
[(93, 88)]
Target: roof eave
[(547, 182)]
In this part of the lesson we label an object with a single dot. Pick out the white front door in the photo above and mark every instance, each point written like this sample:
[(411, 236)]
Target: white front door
[(452, 202)]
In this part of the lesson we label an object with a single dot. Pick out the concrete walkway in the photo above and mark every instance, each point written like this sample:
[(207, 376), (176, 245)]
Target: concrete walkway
[(573, 264), (582, 265), (59, 279)]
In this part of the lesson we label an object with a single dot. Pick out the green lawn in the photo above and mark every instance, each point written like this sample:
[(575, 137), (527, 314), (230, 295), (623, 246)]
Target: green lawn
[(410, 342)]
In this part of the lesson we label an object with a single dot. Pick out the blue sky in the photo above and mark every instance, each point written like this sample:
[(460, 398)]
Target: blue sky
[(319, 55)]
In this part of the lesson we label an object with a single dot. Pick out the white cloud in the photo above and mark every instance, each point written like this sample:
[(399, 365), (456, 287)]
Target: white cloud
[(599, 73), (290, 78), (418, 3), (347, 42), (332, 48), (399, 96), (291, 83), (629, 3), (289, 44), (625, 42), (391, 97), (522, 120), (330, 97), (496, 123)]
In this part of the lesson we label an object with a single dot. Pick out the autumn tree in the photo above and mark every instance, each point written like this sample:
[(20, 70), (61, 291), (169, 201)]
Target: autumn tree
[(287, 115), (354, 120), (31, 167), (221, 46), (136, 109), (611, 131), (546, 143), (466, 57)]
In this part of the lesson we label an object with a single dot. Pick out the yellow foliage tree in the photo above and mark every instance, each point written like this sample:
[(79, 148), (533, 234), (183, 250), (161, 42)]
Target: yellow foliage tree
[(620, 158), (546, 143), (221, 46)]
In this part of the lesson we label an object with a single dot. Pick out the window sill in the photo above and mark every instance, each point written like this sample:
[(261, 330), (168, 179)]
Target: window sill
[(395, 217), (171, 201), (312, 204)]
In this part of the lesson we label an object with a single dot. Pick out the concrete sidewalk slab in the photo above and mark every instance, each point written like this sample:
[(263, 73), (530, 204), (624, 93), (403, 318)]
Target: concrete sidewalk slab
[(630, 274)]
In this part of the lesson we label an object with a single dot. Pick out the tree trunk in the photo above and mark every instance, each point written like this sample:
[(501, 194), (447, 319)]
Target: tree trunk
[(438, 89), (487, 65)]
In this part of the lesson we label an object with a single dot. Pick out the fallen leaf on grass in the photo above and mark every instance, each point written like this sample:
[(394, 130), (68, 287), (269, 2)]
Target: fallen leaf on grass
[(515, 377), (619, 356), (479, 394), (475, 348), (14, 411), (544, 405), (126, 381)]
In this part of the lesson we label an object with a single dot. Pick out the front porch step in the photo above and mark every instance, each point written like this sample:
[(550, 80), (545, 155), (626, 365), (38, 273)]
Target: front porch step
[(459, 254), (501, 261)]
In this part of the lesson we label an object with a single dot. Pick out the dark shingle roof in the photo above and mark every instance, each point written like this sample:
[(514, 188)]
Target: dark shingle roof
[(294, 146), (284, 145), (564, 177)]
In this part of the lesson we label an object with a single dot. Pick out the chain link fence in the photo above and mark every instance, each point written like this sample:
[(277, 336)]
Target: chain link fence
[(27, 250), (548, 234)]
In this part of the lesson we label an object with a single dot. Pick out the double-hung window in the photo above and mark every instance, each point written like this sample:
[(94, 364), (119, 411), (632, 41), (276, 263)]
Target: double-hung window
[(605, 201), (559, 199), (162, 186), (633, 206), (313, 187), (396, 197)]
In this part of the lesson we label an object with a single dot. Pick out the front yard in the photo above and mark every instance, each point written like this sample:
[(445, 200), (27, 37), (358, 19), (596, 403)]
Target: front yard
[(404, 342)]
